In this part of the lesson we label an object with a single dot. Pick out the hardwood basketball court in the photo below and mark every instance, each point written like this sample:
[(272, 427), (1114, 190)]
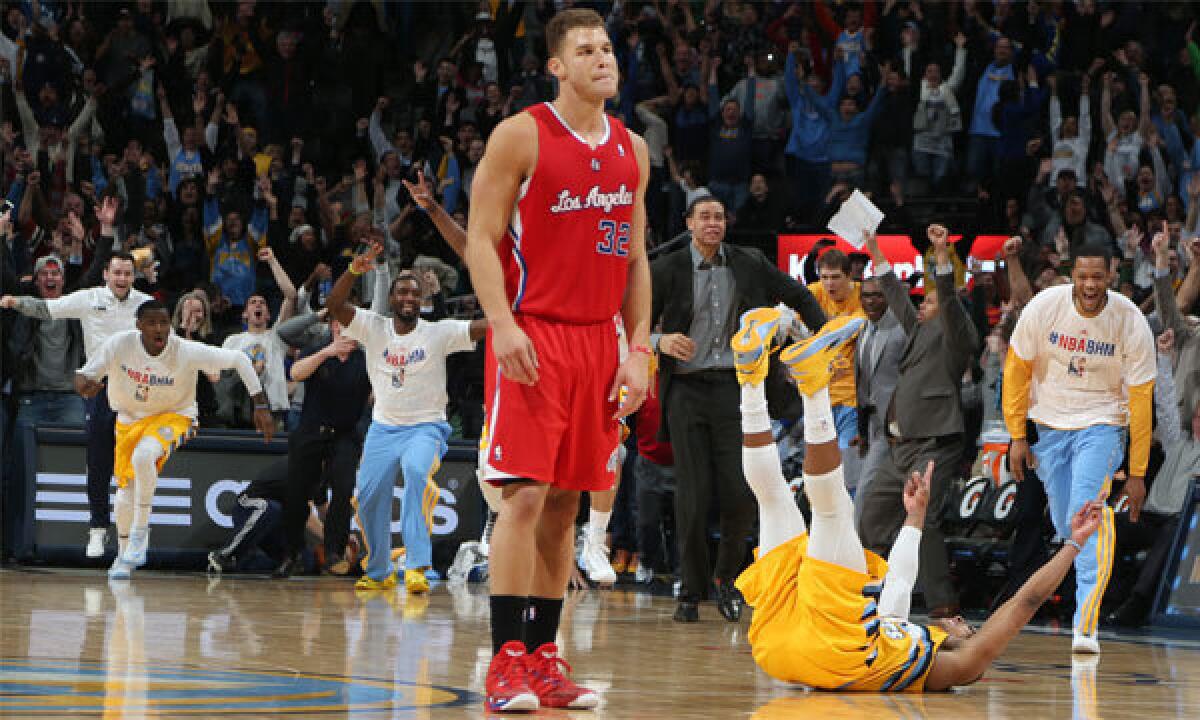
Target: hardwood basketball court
[(168, 645)]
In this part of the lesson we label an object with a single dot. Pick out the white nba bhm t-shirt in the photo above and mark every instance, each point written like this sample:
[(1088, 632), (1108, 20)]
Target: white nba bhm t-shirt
[(408, 372), (1082, 366)]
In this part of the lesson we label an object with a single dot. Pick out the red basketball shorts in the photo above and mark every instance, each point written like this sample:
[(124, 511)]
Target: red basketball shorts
[(560, 430)]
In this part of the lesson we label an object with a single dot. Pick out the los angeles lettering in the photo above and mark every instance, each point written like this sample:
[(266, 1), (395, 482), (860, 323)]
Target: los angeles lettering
[(1082, 345), (594, 199)]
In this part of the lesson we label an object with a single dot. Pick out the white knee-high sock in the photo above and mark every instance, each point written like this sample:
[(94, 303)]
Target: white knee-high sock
[(755, 418), (833, 538), (779, 520), (896, 599), (123, 509), (818, 418), (145, 479)]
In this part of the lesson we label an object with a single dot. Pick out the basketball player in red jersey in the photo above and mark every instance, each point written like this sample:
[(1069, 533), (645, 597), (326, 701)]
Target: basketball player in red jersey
[(555, 247)]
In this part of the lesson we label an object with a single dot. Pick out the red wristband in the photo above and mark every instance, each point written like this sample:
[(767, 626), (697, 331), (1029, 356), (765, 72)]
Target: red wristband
[(640, 349)]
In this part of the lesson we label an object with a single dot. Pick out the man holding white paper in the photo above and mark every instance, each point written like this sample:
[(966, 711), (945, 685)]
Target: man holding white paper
[(923, 420)]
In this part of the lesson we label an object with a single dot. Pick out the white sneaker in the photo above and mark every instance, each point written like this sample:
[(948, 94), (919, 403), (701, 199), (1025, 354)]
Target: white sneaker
[(135, 551), (119, 570), (466, 557), (644, 575), (594, 559), (95, 544), (1087, 644)]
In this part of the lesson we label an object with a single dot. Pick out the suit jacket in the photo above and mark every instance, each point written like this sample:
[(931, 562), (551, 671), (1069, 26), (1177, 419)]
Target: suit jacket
[(756, 283), (927, 400), (876, 383)]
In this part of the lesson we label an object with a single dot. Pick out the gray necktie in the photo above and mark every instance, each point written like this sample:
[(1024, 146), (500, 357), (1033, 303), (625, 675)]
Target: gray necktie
[(867, 348)]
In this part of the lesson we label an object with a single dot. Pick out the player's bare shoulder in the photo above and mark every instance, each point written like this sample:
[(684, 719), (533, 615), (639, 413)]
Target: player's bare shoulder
[(514, 142)]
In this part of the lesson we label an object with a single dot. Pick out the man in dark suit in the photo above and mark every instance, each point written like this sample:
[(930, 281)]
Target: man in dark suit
[(700, 292), (924, 420), (876, 369)]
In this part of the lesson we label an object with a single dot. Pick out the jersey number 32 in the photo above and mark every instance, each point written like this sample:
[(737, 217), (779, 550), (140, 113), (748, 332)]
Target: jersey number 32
[(615, 240)]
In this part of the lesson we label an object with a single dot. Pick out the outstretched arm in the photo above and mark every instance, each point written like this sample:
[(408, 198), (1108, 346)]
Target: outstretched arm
[(902, 562), (453, 233), (966, 664)]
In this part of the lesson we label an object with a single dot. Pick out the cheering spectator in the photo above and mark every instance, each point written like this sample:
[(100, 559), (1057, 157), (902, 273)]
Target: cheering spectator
[(937, 118), (981, 153)]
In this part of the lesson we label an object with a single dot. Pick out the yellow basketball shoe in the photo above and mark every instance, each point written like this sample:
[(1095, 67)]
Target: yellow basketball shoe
[(365, 583), (415, 581), (754, 342), (809, 360)]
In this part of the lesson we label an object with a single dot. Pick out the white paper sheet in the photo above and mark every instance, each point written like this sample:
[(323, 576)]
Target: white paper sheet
[(855, 215)]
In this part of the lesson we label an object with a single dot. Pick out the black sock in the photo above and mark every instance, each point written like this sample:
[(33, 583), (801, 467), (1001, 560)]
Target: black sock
[(541, 624), (508, 619)]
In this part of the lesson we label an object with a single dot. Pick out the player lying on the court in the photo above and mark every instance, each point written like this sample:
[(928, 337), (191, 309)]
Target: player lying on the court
[(827, 613), (152, 386)]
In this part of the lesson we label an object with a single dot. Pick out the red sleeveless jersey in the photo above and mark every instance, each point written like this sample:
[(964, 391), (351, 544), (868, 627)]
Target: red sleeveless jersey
[(566, 257)]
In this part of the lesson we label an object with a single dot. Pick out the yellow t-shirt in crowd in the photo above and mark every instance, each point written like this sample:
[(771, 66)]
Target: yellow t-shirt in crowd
[(841, 386)]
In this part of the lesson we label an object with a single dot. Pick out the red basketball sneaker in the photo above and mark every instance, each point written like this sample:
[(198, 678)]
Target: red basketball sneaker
[(554, 689), (507, 682)]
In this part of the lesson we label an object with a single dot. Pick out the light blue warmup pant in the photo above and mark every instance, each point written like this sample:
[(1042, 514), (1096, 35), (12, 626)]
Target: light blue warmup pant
[(1075, 465), (417, 451)]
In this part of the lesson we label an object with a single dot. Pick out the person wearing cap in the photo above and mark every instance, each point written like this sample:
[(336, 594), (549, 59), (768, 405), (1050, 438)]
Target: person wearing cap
[(699, 292), (45, 355), (103, 312)]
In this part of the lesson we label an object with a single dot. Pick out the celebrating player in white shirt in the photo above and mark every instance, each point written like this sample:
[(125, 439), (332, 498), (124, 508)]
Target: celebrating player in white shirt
[(152, 387), (102, 311), (406, 363), (1085, 355)]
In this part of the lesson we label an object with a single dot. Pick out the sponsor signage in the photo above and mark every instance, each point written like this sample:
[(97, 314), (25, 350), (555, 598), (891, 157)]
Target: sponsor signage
[(898, 249), (199, 485)]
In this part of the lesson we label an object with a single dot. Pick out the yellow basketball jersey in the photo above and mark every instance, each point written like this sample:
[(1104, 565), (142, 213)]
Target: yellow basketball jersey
[(817, 624), (841, 385)]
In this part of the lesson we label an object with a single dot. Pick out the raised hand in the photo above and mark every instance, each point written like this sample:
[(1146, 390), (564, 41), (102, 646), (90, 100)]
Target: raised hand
[(266, 255), (430, 279), (107, 212), (939, 238), (916, 491), (1161, 242), (421, 192), (74, 224), (366, 260)]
